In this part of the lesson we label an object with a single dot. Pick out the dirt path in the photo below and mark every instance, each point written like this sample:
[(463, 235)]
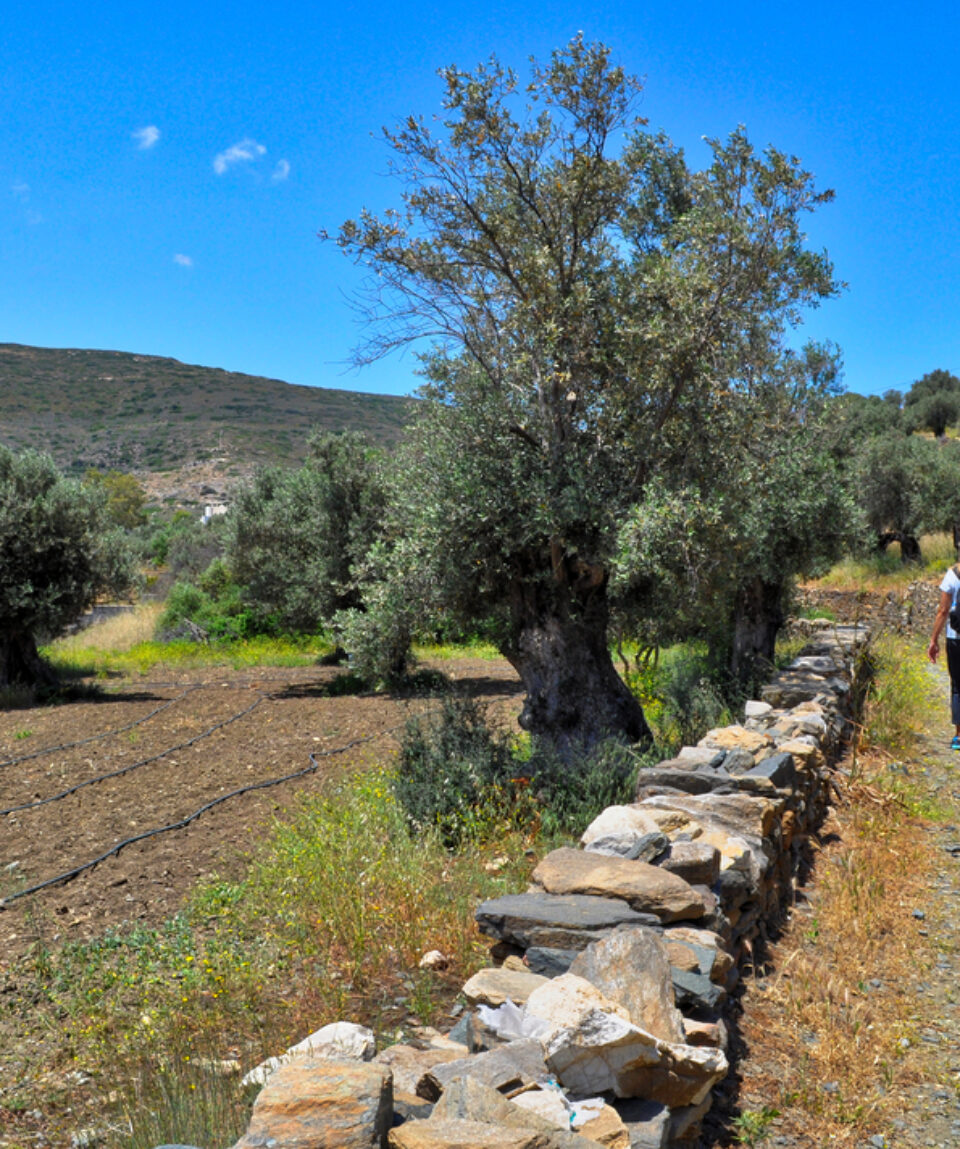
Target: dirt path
[(925, 1094), (78, 780)]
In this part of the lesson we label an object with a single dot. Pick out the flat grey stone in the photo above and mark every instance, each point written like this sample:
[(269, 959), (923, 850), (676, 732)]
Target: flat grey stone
[(780, 769), (686, 780), (632, 844), (647, 1122), (551, 962), (510, 1067), (695, 991), (738, 761), (538, 919)]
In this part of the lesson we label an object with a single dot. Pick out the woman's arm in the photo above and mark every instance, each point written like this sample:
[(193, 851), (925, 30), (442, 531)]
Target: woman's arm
[(938, 624)]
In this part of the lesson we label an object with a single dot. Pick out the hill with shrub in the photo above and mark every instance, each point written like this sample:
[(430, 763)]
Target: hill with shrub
[(113, 409)]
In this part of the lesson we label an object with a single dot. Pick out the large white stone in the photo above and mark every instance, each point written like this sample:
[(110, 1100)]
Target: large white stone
[(339, 1041), (616, 819)]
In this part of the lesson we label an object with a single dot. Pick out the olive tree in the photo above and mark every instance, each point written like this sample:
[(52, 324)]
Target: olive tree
[(58, 553), (593, 304), (933, 402), (295, 537), (715, 556)]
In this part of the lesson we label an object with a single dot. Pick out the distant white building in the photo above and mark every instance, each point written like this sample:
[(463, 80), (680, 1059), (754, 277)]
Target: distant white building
[(211, 510)]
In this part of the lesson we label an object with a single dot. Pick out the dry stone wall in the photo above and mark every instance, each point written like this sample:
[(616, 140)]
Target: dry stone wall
[(602, 1020)]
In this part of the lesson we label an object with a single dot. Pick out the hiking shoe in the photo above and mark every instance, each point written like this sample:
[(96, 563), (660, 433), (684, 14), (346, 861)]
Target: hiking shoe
[(955, 744)]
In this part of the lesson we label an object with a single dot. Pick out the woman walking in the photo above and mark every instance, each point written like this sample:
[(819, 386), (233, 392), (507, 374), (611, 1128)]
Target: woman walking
[(946, 617)]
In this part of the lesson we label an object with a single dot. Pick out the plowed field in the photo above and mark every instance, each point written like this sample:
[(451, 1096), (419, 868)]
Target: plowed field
[(95, 779)]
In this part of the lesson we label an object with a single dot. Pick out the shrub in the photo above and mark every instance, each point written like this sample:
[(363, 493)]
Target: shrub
[(468, 781), (455, 773)]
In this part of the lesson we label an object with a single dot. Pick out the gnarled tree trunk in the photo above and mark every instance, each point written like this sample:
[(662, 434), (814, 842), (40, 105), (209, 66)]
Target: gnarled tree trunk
[(558, 646), (757, 618), (20, 662)]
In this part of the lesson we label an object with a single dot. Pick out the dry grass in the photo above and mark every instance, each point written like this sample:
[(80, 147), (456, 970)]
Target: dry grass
[(831, 1034), (826, 1038), (122, 632), (885, 572)]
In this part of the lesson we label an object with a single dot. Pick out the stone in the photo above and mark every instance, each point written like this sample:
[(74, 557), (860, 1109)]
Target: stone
[(694, 991), (739, 761), (341, 1040), (702, 755), (467, 1099), (736, 737), (453, 1134), (643, 887), (590, 1043), (607, 1129), (430, 1038), (631, 968), (778, 769), (630, 844), (550, 962), (682, 957), (409, 1107), (675, 824), (317, 1103), (685, 1121), (511, 1066), (594, 1048), (495, 986), (756, 709), (697, 862), (515, 963), (705, 947), (538, 919), (410, 1068), (434, 959), (616, 819), (712, 1033), (647, 1123), (693, 780), (805, 754)]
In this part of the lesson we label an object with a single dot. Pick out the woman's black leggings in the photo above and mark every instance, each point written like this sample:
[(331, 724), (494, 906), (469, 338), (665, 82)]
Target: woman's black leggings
[(953, 665)]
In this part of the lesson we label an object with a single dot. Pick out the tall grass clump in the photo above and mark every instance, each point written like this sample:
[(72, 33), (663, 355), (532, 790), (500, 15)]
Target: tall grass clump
[(900, 697)]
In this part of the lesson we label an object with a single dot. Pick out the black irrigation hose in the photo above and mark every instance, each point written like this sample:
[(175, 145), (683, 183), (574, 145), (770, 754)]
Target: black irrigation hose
[(97, 737), (62, 879), (133, 765)]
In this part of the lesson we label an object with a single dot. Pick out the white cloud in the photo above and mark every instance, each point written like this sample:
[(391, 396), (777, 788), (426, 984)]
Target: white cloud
[(280, 172), (146, 137), (183, 260), (242, 152)]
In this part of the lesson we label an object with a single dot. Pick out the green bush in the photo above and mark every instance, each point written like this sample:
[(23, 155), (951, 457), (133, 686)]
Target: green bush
[(468, 781), (214, 605), (455, 773)]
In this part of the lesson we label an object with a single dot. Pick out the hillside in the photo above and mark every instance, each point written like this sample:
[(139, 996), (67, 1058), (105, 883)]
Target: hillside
[(112, 409)]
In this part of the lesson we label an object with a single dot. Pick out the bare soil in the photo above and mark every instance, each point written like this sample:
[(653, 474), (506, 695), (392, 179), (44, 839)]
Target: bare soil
[(174, 745)]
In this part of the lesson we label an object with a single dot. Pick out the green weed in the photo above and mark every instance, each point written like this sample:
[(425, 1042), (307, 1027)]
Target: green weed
[(753, 1125)]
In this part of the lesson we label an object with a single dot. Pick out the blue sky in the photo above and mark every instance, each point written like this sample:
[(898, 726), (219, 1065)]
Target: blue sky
[(165, 168)]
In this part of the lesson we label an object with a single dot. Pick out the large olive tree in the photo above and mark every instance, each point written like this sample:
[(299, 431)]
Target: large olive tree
[(58, 553), (594, 304)]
